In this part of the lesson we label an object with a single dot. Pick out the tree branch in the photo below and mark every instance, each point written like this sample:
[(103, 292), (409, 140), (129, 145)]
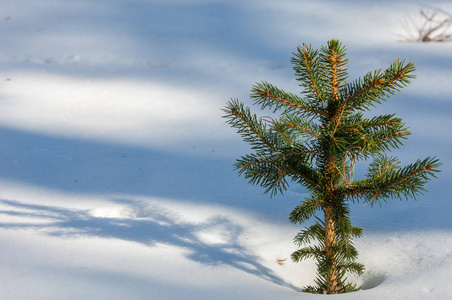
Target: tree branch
[(304, 129), (296, 105), (239, 115)]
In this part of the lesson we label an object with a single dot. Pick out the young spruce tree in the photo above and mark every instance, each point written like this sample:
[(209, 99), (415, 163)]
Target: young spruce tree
[(316, 141)]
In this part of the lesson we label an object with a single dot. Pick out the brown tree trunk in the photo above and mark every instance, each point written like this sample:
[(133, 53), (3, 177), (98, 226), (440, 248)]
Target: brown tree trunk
[(330, 241)]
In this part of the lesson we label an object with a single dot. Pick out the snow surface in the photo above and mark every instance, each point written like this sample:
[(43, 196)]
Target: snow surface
[(116, 177)]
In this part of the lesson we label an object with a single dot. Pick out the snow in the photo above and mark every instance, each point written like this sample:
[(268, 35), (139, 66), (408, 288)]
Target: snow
[(116, 177)]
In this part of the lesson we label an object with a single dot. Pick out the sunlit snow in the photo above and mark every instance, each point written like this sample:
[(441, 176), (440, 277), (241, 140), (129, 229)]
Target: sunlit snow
[(116, 169)]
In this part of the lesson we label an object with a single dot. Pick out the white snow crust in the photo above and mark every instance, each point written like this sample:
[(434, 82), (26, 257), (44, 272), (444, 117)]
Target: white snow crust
[(116, 168)]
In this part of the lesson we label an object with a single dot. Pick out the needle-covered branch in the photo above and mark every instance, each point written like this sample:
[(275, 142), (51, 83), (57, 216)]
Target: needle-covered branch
[(362, 94), (386, 180), (269, 96), (251, 128), (310, 72), (264, 171), (333, 59), (270, 171), (306, 209), (308, 130)]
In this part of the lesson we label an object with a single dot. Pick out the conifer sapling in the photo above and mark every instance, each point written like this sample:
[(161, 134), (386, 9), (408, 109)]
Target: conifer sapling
[(316, 142)]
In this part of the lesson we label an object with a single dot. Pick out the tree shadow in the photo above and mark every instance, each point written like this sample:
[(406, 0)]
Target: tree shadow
[(99, 167), (213, 242)]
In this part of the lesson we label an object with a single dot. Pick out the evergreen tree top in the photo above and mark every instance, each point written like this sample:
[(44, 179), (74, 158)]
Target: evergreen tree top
[(327, 114)]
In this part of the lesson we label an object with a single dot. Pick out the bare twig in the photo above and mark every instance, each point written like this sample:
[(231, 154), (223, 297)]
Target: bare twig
[(428, 27)]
